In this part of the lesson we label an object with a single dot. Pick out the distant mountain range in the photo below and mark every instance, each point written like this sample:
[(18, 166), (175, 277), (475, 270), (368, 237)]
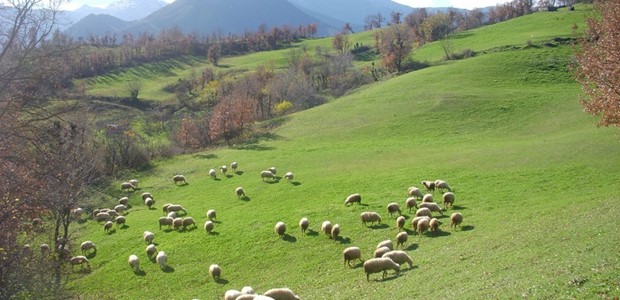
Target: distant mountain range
[(225, 16)]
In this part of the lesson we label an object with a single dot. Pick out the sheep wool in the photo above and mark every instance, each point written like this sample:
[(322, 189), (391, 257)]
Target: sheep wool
[(211, 214), (392, 208), (134, 263), (281, 294), (162, 260), (179, 178), (432, 206), (335, 231), (351, 254), (386, 243), (448, 199), (240, 192), (353, 198), (248, 290), (213, 173), (209, 226), (401, 239), (215, 271), (148, 237), (456, 219), (434, 225), (188, 221), (423, 211), (234, 166), (232, 295), (280, 228), (165, 221), (151, 249), (289, 176), (304, 224), (381, 264), (428, 198), (380, 251), (400, 223), (399, 257), (415, 192), (88, 245), (326, 227), (370, 216), (267, 175), (410, 203)]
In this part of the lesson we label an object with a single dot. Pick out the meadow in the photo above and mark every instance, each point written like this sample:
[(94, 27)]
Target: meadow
[(536, 181)]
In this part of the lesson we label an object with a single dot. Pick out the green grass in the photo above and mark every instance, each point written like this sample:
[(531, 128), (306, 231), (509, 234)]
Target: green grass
[(536, 181)]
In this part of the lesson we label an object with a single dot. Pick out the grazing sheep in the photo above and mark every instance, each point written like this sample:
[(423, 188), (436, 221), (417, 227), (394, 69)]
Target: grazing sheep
[(353, 198), (442, 185), (380, 251), (149, 202), (381, 264), (215, 271), (123, 201), (179, 178), (399, 257), (304, 224), (456, 219), (414, 222), (256, 297), (209, 226), (162, 260), (134, 263), (428, 185), (411, 202), (401, 239), (423, 225), (151, 249), (120, 220), (45, 250), (427, 198), (211, 214), (386, 243), (224, 169), (240, 192), (335, 231), (248, 290), (232, 295), (134, 182), (120, 208), (370, 216), (233, 166), (213, 174), (176, 207), (448, 199), (280, 228), (148, 237), (281, 294), (102, 216), (432, 206), (146, 195), (164, 208), (267, 174), (400, 223), (126, 186), (289, 176), (272, 170), (434, 225), (76, 213), (177, 223), (326, 227), (88, 245), (415, 192), (79, 260), (107, 226), (112, 213), (423, 211), (352, 253), (392, 208), (188, 221), (172, 214)]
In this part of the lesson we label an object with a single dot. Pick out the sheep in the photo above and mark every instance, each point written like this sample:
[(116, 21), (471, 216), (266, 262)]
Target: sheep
[(45, 250), (411, 202), (120, 208), (148, 237), (233, 166), (353, 198), (232, 295), (335, 231), (134, 263), (224, 169), (88, 245), (126, 186), (386, 243), (381, 264), (79, 260), (76, 213), (146, 195), (172, 214), (134, 182), (423, 225), (392, 208), (427, 198), (211, 214), (423, 211), (380, 251), (248, 290), (209, 226), (303, 224), (428, 185), (414, 222), (177, 223), (112, 213), (352, 253), (414, 192), (123, 200), (432, 206), (289, 176), (401, 239), (120, 220), (255, 297), (149, 202), (240, 192), (448, 199), (102, 216), (399, 257), (215, 271), (280, 228), (326, 227), (281, 294), (434, 225), (213, 174), (27, 250), (370, 216), (107, 226), (164, 208), (456, 219), (267, 175), (187, 221), (442, 185), (400, 223), (179, 178), (272, 170), (151, 249), (176, 207), (162, 260)]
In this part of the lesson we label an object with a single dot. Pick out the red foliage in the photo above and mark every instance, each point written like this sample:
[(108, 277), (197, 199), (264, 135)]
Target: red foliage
[(230, 117)]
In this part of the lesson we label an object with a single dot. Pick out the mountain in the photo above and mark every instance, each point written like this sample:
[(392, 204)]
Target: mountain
[(97, 24), (127, 10)]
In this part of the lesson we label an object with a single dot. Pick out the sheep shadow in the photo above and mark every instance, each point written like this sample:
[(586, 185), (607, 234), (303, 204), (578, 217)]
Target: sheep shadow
[(245, 198), (82, 221), (111, 231), (409, 231), (152, 208), (229, 176), (221, 281), (412, 247), (272, 181), (239, 172), (296, 183), (168, 269), (91, 255), (467, 228), (343, 240), (378, 226), (434, 234), (217, 179), (408, 269), (168, 230), (311, 232), (289, 238), (357, 265), (387, 278), (215, 233), (140, 273), (182, 184), (85, 270), (124, 226), (458, 207)]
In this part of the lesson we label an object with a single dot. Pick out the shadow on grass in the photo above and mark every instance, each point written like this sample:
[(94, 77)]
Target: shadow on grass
[(140, 273), (205, 156), (358, 265), (221, 281), (437, 233), (124, 226), (229, 176), (91, 255), (272, 181), (215, 233), (387, 278), (412, 247), (343, 240), (467, 228), (255, 147), (182, 184), (239, 172), (405, 270), (217, 179), (409, 231), (378, 226), (111, 231), (458, 207), (289, 238), (296, 183), (245, 198), (168, 269), (311, 232)]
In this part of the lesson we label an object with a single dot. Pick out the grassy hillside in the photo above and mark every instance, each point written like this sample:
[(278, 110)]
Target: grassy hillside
[(536, 181)]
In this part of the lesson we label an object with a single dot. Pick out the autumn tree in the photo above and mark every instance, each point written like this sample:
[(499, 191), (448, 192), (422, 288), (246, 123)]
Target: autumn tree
[(214, 53), (598, 64), (341, 42), (396, 44), (231, 116), (373, 21)]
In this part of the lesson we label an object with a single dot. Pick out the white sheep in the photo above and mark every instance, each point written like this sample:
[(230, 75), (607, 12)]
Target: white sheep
[(267, 175), (423, 225), (399, 257), (179, 178), (172, 214), (370, 216), (380, 251), (215, 271), (164, 208), (151, 249), (427, 198), (233, 166), (448, 199), (335, 231), (162, 260), (392, 208), (213, 173), (45, 250), (108, 226), (289, 176), (148, 237), (112, 213), (232, 295), (177, 223), (149, 202), (272, 170), (224, 169), (126, 186), (79, 260), (429, 185), (102, 216), (353, 198), (209, 226), (423, 211), (304, 224), (123, 201), (211, 214), (88, 245), (76, 213), (456, 219), (432, 206), (352, 253), (134, 182), (146, 195), (410, 203), (400, 223), (248, 290), (434, 225), (281, 294), (134, 263), (240, 192), (326, 227), (414, 192), (401, 239), (414, 222), (442, 185), (176, 207), (381, 264), (188, 221), (120, 208), (280, 228), (120, 221), (386, 243)]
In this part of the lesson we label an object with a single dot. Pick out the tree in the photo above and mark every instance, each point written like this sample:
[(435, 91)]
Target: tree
[(214, 53), (396, 44), (133, 88), (373, 21), (230, 118), (341, 42), (598, 64)]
